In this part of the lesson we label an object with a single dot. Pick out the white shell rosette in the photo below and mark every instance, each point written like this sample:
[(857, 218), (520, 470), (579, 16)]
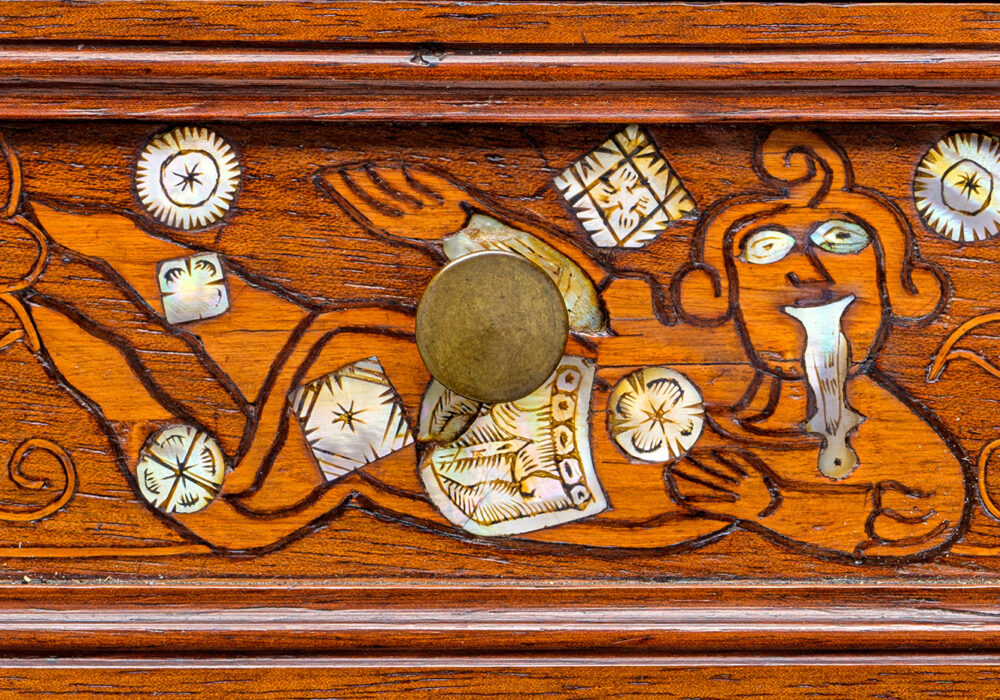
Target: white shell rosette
[(955, 187), (187, 178), (655, 414), (180, 469)]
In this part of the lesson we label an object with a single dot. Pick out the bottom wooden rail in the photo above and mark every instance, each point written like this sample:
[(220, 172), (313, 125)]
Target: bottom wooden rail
[(462, 622), (608, 677)]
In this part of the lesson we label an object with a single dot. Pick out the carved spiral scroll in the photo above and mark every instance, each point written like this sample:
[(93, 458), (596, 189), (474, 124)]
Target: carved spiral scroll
[(14, 470), (793, 158)]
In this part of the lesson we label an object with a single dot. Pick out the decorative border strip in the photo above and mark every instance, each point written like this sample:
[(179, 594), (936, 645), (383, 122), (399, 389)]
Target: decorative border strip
[(506, 22), (486, 619), (514, 61)]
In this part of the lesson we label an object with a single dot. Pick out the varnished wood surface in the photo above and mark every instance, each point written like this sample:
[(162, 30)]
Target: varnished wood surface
[(370, 587), (513, 61), (712, 677), (517, 23), (360, 587), (163, 620), (97, 217)]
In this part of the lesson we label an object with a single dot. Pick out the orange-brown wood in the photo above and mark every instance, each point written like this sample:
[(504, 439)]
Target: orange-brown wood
[(827, 511)]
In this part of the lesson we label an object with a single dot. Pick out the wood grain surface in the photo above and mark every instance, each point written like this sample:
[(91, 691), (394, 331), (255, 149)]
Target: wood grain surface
[(725, 677), (76, 304), (767, 157), (529, 62), (364, 580)]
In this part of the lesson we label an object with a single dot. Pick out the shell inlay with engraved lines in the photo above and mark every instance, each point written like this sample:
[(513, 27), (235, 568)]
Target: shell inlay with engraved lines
[(624, 192), (193, 288), (187, 177), (519, 466), (954, 188), (180, 469), (351, 417), (655, 414)]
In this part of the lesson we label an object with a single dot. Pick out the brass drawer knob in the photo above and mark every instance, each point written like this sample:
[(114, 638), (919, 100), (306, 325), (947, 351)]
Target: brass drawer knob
[(492, 326)]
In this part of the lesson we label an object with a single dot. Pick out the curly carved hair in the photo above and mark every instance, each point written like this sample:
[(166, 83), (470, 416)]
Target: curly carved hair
[(809, 172)]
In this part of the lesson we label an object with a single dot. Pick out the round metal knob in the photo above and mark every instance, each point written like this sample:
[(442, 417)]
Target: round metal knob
[(492, 326)]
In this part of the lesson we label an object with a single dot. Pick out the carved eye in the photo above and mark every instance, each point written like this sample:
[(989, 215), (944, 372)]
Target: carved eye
[(840, 237), (765, 246)]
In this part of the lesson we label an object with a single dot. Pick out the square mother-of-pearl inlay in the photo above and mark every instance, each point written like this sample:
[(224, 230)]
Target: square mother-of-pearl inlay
[(624, 192), (193, 288), (351, 417)]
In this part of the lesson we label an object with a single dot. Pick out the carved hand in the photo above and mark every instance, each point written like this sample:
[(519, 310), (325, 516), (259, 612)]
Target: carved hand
[(731, 483), (902, 514), (408, 201)]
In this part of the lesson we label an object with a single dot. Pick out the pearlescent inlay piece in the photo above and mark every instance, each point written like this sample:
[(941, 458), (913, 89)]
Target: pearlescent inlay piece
[(955, 187), (524, 465), (655, 414), (826, 359), (351, 417), (193, 288), (624, 192), (444, 414), (187, 177), (180, 469)]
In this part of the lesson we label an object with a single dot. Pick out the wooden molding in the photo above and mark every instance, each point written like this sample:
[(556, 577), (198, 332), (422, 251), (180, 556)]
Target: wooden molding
[(510, 61), (487, 620)]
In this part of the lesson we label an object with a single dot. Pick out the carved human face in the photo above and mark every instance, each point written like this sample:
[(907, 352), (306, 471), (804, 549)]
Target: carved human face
[(805, 257)]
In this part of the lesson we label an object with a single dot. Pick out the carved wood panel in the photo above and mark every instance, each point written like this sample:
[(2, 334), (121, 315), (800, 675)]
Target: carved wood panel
[(782, 364)]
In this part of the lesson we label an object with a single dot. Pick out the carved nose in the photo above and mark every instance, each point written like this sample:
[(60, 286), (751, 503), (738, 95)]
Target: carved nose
[(809, 272), (492, 326)]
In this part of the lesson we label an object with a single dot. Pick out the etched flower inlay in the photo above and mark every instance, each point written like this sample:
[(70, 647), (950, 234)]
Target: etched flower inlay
[(954, 187), (655, 414), (187, 177), (180, 469)]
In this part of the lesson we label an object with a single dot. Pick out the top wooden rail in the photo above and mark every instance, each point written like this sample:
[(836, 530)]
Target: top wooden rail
[(502, 61)]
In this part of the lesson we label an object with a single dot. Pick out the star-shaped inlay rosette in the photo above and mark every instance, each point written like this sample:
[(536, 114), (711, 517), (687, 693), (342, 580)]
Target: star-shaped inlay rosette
[(954, 187), (187, 178), (351, 417), (180, 469)]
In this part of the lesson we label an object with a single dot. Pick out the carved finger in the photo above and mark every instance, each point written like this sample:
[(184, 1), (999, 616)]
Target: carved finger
[(892, 494), (382, 182), (731, 464), (394, 183), (904, 506), (692, 484), (413, 179), (749, 467), (366, 196), (888, 529), (717, 470), (438, 187)]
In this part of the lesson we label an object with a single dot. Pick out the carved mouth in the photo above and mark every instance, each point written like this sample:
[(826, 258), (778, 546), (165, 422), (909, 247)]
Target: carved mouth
[(826, 299)]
